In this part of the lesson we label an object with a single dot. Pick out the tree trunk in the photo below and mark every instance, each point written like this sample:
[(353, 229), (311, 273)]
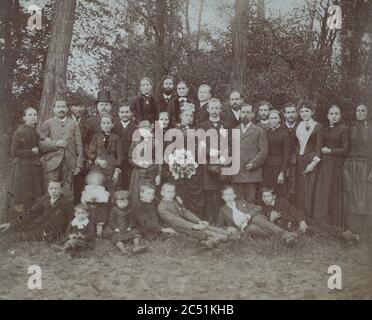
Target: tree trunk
[(240, 43), (54, 84)]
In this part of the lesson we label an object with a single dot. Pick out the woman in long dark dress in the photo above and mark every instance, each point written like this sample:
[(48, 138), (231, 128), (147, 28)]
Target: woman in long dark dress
[(276, 164), (308, 153), (190, 189), (26, 184), (358, 174), (328, 205)]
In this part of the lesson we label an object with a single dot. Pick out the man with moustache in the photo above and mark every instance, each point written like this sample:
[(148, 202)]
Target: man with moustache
[(60, 139), (204, 96), (290, 124), (164, 100), (212, 180), (231, 116), (253, 153), (263, 111)]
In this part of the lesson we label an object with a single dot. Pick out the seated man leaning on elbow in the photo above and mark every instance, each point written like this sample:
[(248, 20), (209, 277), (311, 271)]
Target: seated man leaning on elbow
[(249, 219)]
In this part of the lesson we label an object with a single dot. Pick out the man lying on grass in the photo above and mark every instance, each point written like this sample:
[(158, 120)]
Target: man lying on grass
[(172, 211), (249, 219), (47, 220)]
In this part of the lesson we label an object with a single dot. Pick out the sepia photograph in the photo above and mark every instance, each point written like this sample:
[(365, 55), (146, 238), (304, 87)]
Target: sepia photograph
[(163, 150)]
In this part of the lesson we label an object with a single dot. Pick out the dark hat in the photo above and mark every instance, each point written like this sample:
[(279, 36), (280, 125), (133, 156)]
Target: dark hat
[(104, 96)]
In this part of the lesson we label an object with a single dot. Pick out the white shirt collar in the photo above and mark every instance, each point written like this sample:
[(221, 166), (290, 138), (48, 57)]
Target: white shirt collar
[(167, 96), (125, 124), (236, 114)]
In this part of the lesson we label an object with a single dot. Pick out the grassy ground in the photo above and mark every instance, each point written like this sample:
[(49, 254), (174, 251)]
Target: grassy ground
[(181, 269)]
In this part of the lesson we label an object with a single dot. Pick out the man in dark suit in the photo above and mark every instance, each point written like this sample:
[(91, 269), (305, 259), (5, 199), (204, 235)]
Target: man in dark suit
[(60, 138), (290, 124), (253, 153), (211, 178), (165, 100), (231, 116), (124, 129), (263, 110), (204, 96), (78, 113)]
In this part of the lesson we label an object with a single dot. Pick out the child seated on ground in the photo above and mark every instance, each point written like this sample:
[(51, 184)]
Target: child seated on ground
[(248, 218), (172, 211), (47, 220), (282, 213), (96, 198), (145, 217), (120, 227), (80, 232)]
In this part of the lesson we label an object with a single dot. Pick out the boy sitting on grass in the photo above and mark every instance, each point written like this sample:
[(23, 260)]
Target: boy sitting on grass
[(172, 212), (248, 219), (282, 213), (144, 215)]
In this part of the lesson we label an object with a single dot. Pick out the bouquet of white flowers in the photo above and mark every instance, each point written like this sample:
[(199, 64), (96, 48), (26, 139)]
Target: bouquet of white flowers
[(182, 164)]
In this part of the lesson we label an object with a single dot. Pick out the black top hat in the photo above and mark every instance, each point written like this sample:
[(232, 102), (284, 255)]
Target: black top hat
[(104, 96)]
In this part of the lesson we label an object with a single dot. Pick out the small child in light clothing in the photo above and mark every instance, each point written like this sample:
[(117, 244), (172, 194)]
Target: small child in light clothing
[(80, 231), (120, 228), (96, 198)]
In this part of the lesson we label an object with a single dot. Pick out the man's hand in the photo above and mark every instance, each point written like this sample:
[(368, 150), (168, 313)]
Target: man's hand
[(35, 150), (274, 215), (77, 171), (326, 150), (281, 178), (204, 223), (4, 227), (102, 163), (168, 230), (198, 226), (61, 144), (249, 166), (303, 227), (157, 180), (116, 230), (179, 200), (309, 168), (115, 177), (232, 230)]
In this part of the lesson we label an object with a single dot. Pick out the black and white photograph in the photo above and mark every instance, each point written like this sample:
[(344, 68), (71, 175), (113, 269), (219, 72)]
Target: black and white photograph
[(186, 150)]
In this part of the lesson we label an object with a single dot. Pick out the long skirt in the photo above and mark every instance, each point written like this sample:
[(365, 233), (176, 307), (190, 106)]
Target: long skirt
[(191, 192), (357, 193), (26, 185), (328, 203), (270, 178), (305, 185)]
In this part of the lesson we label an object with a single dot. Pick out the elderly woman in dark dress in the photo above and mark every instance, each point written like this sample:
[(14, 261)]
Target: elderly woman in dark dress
[(328, 205), (26, 184), (358, 174), (276, 164), (308, 153)]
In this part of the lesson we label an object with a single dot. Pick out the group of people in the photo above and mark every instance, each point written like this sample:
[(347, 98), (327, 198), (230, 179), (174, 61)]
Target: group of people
[(76, 179)]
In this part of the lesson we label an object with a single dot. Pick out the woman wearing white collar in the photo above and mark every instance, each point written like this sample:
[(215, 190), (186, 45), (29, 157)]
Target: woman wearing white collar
[(308, 152)]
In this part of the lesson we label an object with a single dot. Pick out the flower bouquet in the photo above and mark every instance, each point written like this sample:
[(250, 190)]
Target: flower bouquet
[(182, 164)]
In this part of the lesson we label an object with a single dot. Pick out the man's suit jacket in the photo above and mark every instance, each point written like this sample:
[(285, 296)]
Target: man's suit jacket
[(201, 113), (93, 126), (254, 150), (225, 215), (162, 105), (125, 135), (229, 118), (292, 137), (209, 183), (112, 154), (53, 130)]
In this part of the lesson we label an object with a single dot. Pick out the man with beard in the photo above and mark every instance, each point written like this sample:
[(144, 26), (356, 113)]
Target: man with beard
[(253, 153), (290, 114), (263, 110), (103, 105), (61, 141), (204, 96), (212, 180), (231, 116), (165, 100)]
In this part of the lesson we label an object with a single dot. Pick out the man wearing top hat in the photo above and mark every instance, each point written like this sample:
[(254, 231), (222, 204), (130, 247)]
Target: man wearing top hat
[(103, 105)]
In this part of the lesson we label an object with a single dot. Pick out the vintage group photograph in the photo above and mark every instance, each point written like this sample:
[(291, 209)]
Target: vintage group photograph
[(186, 150)]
